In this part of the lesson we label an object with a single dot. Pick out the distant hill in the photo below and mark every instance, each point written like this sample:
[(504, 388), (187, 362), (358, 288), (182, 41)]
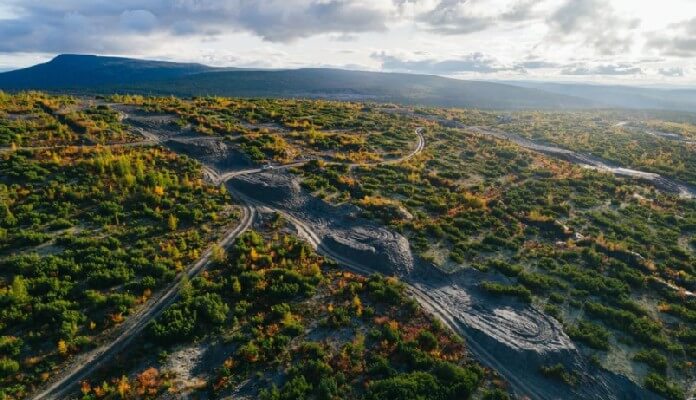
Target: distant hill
[(69, 71), (96, 74), (340, 84), (621, 96)]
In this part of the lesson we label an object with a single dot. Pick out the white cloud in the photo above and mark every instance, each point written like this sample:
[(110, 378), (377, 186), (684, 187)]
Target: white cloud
[(599, 40), (672, 72), (593, 23), (605, 69), (678, 40), (474, 62)]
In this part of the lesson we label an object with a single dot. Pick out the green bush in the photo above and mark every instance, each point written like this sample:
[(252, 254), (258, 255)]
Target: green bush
[(558, 371), (653, 358), (593, 335), (660, 385), (519, 291), (8, 367)]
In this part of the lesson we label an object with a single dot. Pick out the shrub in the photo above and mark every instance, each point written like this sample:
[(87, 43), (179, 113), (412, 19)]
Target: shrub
[(416, 385), (495, 394), (660, 385), (427, 341), (653, 358), (559, 372), (8, 367), (512, 290), (593, 335)]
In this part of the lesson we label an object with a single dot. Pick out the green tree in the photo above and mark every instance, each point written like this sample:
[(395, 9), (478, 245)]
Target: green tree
[(20, 295), (172, 222)]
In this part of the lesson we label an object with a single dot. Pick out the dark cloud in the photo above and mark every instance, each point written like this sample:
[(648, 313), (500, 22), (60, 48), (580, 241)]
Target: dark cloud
[(69, 32), (283, 20), (475, 62), (115, 26), (606, 69), (572, 16), (141, 21), (456, 17), (449, 18), (595, 23), (677, 40)]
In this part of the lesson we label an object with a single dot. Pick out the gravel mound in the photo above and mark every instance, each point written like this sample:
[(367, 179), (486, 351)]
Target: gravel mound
[(211, 151), (516, 339)]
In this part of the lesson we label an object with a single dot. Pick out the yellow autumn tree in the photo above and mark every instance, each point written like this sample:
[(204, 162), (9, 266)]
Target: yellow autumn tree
[(357, 305), (253, 254), (62, 347), (123, 387), (236, 286), (218, 254)]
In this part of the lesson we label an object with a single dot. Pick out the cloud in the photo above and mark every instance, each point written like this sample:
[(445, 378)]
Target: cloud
[(456, 17), (606, 69), (286, 20), (138, 20), (520, 11), (68, 32), (109, 26), (474, 62), (484, 64), (537, 64), (678, 39), (672, 72), (593, 23)]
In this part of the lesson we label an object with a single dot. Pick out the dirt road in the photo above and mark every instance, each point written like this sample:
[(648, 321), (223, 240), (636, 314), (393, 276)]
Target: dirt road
[(306, 232), (588, 161), (83, 365), (420, 145)]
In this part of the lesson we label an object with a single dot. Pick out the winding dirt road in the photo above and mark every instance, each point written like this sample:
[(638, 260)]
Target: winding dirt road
[(420, 145), (83, 365), (87, 363), (588, 161), (306, 232)]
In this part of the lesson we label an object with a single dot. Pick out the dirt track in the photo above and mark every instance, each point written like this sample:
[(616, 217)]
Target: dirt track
[(420, 145), (68, 380), (83, 365), (510, 337), (661, 182), (587, 161)]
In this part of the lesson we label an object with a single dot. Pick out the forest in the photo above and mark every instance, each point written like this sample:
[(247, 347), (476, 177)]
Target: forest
[(87, 235), (612, 258), (93, 224)]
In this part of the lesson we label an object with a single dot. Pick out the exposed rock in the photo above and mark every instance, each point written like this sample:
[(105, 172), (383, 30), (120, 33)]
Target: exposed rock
[(339, 228), (211, 151)]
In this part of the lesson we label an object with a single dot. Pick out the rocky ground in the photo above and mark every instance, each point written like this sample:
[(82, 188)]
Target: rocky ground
[(512, 337)]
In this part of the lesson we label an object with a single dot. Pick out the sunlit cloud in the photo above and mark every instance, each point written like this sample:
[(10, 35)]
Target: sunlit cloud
[(598, 40)]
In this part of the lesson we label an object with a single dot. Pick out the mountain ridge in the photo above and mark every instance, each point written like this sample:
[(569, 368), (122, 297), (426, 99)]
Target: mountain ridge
[(680, 99), (105, 74)]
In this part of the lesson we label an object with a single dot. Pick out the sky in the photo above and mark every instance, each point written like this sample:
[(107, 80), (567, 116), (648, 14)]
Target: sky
[(638, 42)]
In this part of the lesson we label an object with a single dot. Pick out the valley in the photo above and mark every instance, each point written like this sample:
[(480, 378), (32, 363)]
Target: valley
[(563, 281)]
